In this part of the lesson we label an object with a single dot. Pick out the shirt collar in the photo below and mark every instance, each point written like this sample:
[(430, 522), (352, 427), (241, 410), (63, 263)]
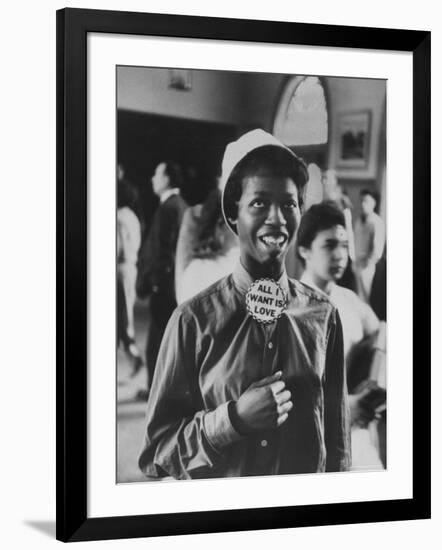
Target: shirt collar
[(243, 279), (307, 280), (168, 193)]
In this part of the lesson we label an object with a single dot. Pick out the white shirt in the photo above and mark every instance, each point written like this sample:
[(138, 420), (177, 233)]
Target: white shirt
[(168, 193), (202, 272), (357, 318), (128, 235), (369, 238)]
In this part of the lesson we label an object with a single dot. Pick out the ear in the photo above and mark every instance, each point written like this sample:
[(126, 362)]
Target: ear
[(233, 218), (303, 252)]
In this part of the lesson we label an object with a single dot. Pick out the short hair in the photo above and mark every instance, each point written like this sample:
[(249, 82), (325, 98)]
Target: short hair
[(318, 217), (175, 173), (127, 195), (373, 194), (262, 161)]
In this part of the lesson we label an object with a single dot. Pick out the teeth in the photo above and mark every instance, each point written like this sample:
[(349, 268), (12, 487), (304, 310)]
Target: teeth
[(273, 240)]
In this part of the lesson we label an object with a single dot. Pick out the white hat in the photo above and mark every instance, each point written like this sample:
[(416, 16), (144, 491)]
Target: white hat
[(238, 149)]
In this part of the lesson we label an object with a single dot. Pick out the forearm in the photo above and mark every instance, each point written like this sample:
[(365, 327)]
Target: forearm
[(190, 447), (378, 244)]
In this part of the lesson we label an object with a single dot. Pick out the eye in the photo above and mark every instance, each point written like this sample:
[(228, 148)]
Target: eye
[(290, 205), (257, 203)]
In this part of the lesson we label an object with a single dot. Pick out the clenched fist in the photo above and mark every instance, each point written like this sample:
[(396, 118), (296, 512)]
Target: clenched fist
[(264, 405)]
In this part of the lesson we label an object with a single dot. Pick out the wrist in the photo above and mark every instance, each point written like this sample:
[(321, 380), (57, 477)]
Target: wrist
[(237, 423), (218, 427)]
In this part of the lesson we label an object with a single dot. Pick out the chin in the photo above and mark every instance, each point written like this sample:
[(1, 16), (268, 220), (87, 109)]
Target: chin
[(273, 263), (275, 252), (336, 276), (273, 258)]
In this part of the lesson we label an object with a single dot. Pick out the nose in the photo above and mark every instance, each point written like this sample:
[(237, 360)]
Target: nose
[(339, 253), (275, 216)]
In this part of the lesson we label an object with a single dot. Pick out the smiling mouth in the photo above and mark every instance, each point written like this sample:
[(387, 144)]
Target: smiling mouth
[(274, 240)]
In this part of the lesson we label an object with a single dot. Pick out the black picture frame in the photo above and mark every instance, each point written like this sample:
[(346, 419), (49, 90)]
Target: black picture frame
[(73, 25)]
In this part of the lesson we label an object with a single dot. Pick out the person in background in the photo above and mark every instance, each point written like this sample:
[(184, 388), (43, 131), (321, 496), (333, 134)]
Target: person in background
[(323, 248), (313, 194), (369, 243), (334, 192), (378, 294), (156, 261), (206, 251), (378, 301), (128, 244), (250, 377)]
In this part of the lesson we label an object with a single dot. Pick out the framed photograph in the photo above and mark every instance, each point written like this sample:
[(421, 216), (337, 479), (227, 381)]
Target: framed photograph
[(180, 79), (354, 139), (151, 447)]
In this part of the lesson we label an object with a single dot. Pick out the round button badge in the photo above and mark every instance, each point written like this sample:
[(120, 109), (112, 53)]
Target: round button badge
[(266, 300)]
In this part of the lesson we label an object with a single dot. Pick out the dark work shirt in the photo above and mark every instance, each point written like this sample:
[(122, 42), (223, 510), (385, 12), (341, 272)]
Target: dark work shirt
[(212, 351)]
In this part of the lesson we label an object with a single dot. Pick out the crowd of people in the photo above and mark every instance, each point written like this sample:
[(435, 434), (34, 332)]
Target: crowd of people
[(236, 388)]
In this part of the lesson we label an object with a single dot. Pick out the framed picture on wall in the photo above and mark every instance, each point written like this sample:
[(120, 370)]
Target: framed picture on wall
[(180, 79), (93, 48), (354, 135)]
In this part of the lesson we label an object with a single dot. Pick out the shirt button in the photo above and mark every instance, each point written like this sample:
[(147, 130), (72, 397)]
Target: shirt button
[(264, 443), (270, 344)]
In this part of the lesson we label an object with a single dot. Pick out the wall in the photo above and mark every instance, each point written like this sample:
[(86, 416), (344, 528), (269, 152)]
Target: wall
[(262, 92), (350, 94), (344, 94), (246, 99), (214, 96), (250, 100)]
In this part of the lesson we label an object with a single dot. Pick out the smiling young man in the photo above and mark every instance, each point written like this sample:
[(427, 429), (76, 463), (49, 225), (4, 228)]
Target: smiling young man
[(250, 378)]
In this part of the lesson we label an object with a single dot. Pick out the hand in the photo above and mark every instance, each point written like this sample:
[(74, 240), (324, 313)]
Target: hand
[(367, 403), (360, 415), (362, 263), (264, 405)]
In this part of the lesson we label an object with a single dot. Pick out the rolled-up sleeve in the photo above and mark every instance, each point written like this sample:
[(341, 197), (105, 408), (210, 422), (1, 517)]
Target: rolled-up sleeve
[(182, 439), (219, 428), (336, 410)]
